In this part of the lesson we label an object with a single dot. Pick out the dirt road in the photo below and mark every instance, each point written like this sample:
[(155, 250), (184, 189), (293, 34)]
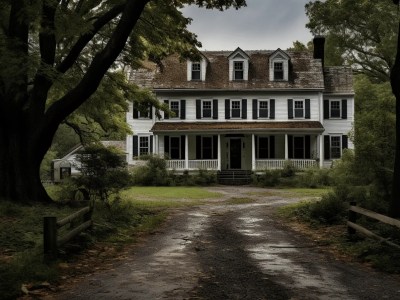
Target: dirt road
[(224, 251)]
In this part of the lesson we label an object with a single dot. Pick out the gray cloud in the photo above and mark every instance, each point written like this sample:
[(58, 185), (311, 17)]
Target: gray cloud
[(263, 24)]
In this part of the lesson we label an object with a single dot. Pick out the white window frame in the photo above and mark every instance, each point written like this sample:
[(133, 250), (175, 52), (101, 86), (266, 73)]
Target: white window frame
[(199, 71), (339, 146), (140, 147), (294, 108), (239, 70), (177, 115), (330, 109), (202, 109), (240, 109), (259, 108)]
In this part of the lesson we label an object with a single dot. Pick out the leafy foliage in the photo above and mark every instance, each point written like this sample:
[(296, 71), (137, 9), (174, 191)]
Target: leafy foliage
[(364, 31), (103, 171)]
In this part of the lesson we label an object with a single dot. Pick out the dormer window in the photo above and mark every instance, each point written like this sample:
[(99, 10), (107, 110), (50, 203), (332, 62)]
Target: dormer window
[(278, 71), (238, 70), (196, 71), (238, 65), (279, 66)]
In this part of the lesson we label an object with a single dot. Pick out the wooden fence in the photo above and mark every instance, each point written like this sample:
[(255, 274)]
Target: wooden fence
[(352, 227), (79, 221)]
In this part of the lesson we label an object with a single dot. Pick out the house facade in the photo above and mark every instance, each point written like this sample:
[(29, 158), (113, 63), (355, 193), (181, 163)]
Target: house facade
[(245, 110)]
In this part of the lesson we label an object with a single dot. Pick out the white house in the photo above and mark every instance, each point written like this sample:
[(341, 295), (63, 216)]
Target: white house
[(245, 110)]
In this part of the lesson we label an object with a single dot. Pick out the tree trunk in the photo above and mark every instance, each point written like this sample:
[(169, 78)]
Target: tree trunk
[(395, 83), (20, 158)]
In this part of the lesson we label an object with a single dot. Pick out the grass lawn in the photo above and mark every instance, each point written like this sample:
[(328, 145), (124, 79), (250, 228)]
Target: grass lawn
[(292, 192), (166, 197)]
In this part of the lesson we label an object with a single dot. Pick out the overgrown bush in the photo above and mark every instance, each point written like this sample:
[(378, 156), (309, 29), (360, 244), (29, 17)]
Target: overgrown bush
[(329, 210), (204, 177), (288, 170), (154, 173), (315, 177), (269, 178), (103, 171)]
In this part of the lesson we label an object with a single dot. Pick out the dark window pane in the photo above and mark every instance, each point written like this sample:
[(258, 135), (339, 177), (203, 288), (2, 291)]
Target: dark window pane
[(278, 71), (335, 109), (263, 147), (175, 148)]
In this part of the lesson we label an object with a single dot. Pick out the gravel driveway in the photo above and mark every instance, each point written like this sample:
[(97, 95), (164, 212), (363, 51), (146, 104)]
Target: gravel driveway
[(224, 251)]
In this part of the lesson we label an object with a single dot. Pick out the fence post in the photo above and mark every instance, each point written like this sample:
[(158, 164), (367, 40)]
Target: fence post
[(50, 238), (352, 218)]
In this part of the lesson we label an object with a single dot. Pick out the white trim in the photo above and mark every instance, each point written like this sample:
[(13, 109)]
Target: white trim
[(202, 108), (231, 108), (259, 109), (294, 108), (330, 109), (178, 115)]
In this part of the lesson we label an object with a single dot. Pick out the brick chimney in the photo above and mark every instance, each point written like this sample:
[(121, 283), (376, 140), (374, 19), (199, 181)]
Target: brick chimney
[(319, 48)]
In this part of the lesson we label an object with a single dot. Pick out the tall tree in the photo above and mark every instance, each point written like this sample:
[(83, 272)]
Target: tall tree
[(395, 83), (363, 30), (54, 55)]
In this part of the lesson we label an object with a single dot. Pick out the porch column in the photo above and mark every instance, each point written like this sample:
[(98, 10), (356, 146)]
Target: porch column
[(155, 149), (286, 147), (253, 152), (186, 152), (219, 152), (321, 151)]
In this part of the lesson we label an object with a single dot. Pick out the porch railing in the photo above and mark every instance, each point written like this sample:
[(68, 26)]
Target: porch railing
[(205, 164), (271, 164)]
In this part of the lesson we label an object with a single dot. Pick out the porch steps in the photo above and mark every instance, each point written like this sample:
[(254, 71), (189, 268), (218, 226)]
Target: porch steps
[(234, 177)]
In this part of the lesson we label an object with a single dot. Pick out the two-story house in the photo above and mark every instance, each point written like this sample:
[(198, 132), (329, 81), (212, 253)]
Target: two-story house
[(245, 110)]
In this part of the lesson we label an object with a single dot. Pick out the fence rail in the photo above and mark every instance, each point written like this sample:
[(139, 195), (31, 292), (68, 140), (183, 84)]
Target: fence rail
[(79, 221), (272, 164), (352, 227)]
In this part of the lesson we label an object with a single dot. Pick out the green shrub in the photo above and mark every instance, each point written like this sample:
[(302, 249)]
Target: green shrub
[(205, 178), (288, 170), (329, 210), (154, 173), (270, 178), (315, 177)]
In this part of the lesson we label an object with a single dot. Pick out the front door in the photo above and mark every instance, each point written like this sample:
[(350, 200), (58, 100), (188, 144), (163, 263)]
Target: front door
[(235, 154)]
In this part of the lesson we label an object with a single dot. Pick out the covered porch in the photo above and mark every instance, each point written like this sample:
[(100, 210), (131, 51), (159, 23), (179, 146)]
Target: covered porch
[(253, 146)]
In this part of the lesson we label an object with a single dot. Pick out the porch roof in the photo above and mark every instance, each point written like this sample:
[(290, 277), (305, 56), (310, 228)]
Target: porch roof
[(294, 126)]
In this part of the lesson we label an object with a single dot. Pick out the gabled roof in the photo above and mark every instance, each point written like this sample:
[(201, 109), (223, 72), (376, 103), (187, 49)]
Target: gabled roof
[(279, 54), (238, 52)]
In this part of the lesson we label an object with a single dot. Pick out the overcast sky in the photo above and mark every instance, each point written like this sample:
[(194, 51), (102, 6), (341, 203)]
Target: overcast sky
[(262, 25)]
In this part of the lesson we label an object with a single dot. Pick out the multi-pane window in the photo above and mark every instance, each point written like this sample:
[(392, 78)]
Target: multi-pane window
[(196, 71), (299, 109), (238, 70), (235, 108), (278, 71), (335, 109), (263, 109), (207, 109), (262, 147), (175, 148), (335, 147), (174, 106), (143, 145)]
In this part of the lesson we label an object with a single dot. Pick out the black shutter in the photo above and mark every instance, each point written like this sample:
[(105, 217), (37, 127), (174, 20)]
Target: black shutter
[(326, 109), (327, 147), (183, 146), (166, 115), (272, 109), (290, 108), (215, 109), (308, 113), (272, 146), (256, 146), (135, 141), (198, 109), (183, 109), (227, 109), (344, 109), (290, 146), (198, 147), (135, 113), (166, 146), (151, 150), (215, 147), (307, 146), (244, 108), (255, 109), (344, 142), (150, 111)]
